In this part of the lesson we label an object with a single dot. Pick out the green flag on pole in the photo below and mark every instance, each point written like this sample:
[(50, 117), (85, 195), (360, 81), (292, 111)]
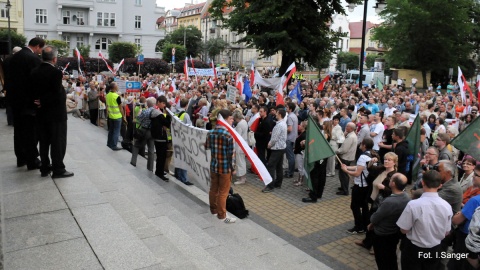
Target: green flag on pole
[(468, 141), (316, 148), (379, 84), (413, 139)]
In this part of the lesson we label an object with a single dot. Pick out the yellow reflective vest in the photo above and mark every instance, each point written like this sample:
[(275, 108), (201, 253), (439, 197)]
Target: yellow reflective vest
[(112, 106)]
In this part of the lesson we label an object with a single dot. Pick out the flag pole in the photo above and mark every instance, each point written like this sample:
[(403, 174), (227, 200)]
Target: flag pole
[(341, 163)]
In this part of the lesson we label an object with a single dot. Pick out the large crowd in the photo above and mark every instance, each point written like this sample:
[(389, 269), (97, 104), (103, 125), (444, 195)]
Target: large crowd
[(366, 127)]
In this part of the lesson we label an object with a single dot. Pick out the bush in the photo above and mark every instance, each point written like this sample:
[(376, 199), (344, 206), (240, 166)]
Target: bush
[(151, 65), (62, 46), (90, 65), (120, 50), (180, 52), (17, 39)]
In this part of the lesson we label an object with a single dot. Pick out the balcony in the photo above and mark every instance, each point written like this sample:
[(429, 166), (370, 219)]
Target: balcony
[(76, 3), (74, 28), (212, 30)]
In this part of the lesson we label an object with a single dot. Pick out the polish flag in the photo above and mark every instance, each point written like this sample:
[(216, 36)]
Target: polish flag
[(106, 63), (257, 165), (65, 68), (321, 85), (254, 122), (462, 83), (214, 71), (185, 68), (210, 83), (119, 65), (79, 56), (239, 82), (173, 85), (252, 75)]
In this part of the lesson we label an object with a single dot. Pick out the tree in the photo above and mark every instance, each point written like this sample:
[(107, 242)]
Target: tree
[(150, 65), (180, 52), (370, 60), (428, 35), (17, 39), (84, 50), (215, 46), (120, 50), (351, 59), (62, 46), (300, 29), (192, 36)]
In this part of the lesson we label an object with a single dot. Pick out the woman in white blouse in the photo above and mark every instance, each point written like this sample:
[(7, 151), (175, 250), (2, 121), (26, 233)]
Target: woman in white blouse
[(336, 141)]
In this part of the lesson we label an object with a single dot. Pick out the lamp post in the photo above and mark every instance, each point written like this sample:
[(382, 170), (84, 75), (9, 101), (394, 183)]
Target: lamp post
[(185, 36), (379, 6), (9, 6)]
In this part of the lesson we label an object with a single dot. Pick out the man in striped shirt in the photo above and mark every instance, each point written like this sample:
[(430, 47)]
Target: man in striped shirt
[(277, 145), (222, 167)]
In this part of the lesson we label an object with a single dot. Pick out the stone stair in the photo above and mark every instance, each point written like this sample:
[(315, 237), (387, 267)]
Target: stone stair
[(112, 215)]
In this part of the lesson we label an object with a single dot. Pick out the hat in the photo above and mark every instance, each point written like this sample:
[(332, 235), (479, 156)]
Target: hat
[(16, 49)]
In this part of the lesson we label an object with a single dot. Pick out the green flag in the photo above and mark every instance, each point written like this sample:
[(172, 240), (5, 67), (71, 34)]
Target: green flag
[(316, 148), (468, 141), (379, 84), (413, 139)]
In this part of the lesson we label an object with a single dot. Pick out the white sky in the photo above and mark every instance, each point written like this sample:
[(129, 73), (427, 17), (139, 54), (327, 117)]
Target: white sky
[(355, 16)]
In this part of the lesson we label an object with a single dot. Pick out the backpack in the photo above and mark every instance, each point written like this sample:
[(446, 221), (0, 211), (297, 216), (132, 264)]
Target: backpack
[(235, 205)]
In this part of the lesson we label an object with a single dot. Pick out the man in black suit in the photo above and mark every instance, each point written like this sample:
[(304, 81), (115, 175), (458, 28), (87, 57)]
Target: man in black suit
[(51, 114), (21, 97)]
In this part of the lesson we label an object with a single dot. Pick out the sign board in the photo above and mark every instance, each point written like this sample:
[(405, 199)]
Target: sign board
[(231, 93), (99, 78), (140, 59), (122, 86), (173, 51), (173, 59), (201, 72), (132, 86), (75, 73)]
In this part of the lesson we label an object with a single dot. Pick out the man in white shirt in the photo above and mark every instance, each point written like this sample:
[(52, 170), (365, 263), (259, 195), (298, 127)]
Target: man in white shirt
[(376, 132), (390, 109)]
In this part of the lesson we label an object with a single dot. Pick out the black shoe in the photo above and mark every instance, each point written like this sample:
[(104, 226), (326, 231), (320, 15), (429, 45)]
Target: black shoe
[(308, 200), (37, 164), (65, 174), (188, 183), (340, 189), (341, 193), (162, 177), (267, 189), (21, 164), (46, 171), (279, 187), (116, 148), (354, 230), (134, 165)]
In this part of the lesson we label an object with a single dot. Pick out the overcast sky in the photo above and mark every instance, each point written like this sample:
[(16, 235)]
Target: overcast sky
[(355, 16)]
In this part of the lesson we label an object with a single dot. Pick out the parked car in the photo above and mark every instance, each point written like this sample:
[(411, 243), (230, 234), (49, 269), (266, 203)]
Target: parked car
[(222, 69)]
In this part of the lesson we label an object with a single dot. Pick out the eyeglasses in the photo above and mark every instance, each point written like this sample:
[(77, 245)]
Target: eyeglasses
[(468, 164)]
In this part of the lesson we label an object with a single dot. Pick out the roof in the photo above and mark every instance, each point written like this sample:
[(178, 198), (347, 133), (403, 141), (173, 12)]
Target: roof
[(196, 9), (356, 28), (160, 20)]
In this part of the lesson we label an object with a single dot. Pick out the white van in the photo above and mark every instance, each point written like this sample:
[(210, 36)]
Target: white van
[(368, 77)]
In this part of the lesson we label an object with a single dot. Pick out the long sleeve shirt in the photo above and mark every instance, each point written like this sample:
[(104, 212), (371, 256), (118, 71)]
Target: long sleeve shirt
[(385, 218), (278, 141), (221, 144), (349, 147)]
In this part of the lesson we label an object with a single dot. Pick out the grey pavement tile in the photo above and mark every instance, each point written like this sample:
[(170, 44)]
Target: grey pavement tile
[(20, 182), (170, 256), (78, 191), (161, 267), (115, 244), (71, 254), (32, 202), (40, 229), (328, 235)]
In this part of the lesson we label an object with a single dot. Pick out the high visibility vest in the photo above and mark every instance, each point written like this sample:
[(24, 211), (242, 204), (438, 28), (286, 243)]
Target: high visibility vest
[(169, 133), (112, 106), (182, 116)]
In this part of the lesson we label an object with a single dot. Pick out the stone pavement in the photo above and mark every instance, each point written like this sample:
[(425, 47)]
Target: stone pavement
[(112, 215)]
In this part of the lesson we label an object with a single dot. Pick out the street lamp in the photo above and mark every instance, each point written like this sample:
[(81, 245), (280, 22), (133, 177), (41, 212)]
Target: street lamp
[(379, 6), (9, 6), (185, 36)]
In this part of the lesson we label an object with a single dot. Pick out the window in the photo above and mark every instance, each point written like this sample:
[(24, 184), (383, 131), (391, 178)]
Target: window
[(372, 44), (138, 2), (3, 11), (138, 42), (41, 35), (138, 22), (102, 44), (80, 41), (80, 18), (105, 19), (66, 16), (41, 16), (66, 39)]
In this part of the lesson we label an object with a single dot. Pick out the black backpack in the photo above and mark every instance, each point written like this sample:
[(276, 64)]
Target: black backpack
[(235, 205)]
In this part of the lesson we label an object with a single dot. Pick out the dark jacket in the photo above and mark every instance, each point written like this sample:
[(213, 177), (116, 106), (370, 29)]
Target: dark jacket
[(265, 126), (159, 125), (50, 92), (401, 149)]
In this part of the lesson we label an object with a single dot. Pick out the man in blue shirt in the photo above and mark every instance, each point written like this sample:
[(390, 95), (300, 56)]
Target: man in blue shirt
[(345, 119)]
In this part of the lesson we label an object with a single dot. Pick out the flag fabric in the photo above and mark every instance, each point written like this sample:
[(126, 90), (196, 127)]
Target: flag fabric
[(77, 54), (414, 144), (316, 148), (185, 68), (106, 63), (247, 91), (467, 87), (321, 84), (257, 164), (379, 84), (461, 85), (65, 68), (210, 83), (468, 141), (296, 93), (254, 122), (119, 65), (193, 65), (214, 71), (252, 75), (239, 82), (292, 68), (279, 97)]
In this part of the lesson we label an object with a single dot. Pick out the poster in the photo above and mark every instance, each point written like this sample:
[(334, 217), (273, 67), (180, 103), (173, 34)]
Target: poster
[(231, 93)]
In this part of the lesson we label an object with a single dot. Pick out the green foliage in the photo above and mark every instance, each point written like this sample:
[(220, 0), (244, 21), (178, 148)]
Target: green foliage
[(159, 46), (180, 52), (351, 59), (193, 38), (215, 46), (198, 64), (62, 47), (17, 39), (370, 60), (427, 35), (84, 50), (150, 65), (119, 50), (300, 29), (90, 65)]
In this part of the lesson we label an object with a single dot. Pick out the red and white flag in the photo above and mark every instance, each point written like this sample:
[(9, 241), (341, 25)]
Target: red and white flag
[(463, 85), (65, 68), (214, 71), (252, 75), (211, 83), (257, 164), (254, 122), (79, 56), (185, 68), (119, 65), (106, 63), (292, 68), (321, 85), (239, 82)]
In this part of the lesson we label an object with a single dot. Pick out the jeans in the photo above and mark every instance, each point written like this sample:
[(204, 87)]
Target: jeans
[(290, 157), (113, 132), (274, 168), (181, 174), (219, 188)]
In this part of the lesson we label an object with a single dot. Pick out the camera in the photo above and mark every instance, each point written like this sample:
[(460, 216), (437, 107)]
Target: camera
[(428, 167)]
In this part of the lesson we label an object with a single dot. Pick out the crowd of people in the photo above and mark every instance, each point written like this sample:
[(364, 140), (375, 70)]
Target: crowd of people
[(366, 127)]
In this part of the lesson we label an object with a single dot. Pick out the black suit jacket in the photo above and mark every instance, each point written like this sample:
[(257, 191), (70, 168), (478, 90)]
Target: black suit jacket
[(50, 91), (21, 89)]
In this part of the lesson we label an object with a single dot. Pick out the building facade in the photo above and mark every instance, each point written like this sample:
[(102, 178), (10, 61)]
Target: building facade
[(97, 23), (16, 15), (340, 24), (191, 15), (171, 20)]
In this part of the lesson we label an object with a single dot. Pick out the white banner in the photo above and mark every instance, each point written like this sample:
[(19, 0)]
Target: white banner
[(201, 72), (189, 152), (231, 93)]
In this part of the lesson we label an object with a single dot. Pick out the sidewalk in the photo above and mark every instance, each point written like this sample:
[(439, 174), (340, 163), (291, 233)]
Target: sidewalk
[(112, 215)]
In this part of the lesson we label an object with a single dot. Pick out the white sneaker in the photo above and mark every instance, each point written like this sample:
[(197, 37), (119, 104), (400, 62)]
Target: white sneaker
[(239, 182), (229, 220)]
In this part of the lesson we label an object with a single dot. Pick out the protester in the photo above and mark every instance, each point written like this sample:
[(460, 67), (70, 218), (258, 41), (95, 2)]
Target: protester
[(116, 115)]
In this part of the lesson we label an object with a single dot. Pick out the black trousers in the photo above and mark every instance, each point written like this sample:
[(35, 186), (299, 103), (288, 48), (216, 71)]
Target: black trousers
[(344, 177), (25, 138), (385, 247), (161, 151), (93, 116), (53, 141), (417, 258), (275, 167), (459, 247), (359, 206), (318, 177), (261, 152)]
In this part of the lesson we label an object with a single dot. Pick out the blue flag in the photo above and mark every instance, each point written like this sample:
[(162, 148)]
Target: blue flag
[(247, 90), (296, 93)]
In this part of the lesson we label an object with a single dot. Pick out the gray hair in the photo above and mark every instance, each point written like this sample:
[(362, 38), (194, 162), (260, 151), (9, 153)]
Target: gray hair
[(449, 167), (151, 101), (237, 114), (49, 52)]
